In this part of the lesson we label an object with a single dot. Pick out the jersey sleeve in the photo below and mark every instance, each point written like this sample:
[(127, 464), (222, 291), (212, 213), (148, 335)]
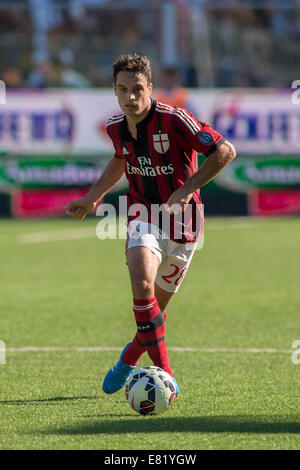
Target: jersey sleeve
[(196, 134), (118, 153)]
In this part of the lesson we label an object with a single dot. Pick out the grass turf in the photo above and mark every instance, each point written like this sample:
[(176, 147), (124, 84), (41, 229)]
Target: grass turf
[(241, 292)]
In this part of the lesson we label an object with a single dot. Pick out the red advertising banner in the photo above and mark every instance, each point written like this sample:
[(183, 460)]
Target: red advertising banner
[(274, 202), (43, 202)]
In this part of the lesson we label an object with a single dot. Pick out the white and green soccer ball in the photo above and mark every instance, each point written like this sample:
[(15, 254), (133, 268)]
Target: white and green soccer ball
[(150, 390)]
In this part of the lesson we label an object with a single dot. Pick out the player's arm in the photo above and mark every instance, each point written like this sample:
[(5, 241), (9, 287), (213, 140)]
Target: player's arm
[(111, 175), (213, 165)]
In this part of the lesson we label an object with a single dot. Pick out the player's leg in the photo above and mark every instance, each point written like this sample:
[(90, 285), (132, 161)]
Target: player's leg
[(173, 269), (170, 275), (163, 299), (143, 265), (144, 256)]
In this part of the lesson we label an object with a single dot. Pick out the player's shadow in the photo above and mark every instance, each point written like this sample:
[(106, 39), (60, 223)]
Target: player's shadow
[(199, 424)]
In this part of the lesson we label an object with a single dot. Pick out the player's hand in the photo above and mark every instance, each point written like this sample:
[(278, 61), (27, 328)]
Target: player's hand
[(80, 208), (178, 200)]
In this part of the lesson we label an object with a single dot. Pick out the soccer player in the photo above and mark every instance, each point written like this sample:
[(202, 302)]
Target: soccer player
[(156, 147)]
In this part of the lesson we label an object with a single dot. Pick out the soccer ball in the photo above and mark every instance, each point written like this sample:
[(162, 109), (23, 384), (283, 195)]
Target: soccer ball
[(150, 390)]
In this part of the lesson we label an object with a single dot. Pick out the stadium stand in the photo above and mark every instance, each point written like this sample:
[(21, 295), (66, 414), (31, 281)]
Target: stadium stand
[(72, 43)]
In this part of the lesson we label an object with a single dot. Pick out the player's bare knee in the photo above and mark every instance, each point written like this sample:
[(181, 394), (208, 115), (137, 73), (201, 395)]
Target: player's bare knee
[(142, 288)]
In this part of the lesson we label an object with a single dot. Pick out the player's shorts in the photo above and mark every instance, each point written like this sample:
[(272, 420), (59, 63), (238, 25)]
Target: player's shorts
[(174, 257)]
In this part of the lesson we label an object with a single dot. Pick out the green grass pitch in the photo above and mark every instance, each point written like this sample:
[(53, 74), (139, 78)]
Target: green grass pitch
[(238, 308)]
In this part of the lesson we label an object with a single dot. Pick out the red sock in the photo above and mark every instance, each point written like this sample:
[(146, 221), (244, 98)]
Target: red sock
[(133, 353), (151, 330)]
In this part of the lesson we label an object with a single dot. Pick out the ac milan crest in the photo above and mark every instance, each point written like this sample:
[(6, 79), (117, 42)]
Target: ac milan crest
[(161, 142)]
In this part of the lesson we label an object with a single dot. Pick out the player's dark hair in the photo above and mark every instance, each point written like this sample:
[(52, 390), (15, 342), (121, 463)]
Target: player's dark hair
[(132, 63)]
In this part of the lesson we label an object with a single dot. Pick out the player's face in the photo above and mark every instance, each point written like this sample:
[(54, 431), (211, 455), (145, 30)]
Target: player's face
[(133, 93)]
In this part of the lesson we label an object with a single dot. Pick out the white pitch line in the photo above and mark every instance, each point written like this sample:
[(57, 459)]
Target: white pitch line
[(175, 349), (232, 223), (78, 233), (57, 235), (231, 226)]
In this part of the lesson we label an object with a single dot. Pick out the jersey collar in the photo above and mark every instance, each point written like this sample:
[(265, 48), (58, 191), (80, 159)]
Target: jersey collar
[(149, 116)]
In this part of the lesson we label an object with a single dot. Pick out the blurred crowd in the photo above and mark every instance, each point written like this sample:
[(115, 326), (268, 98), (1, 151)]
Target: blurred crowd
[(72, 43)]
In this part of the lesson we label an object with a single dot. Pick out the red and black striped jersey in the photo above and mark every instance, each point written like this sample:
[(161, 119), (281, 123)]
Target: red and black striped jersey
[(164, 155)]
